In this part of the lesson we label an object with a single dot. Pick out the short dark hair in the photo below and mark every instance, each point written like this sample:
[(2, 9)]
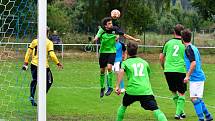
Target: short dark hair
[(105, 20), (132, 48), (178, 29), (186, 35)]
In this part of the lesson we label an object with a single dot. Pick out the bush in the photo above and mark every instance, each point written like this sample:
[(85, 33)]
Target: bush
[(166, 23), (57, 19), (75, 38)]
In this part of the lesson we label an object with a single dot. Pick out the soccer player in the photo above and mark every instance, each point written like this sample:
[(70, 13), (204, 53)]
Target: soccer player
[(196, 77), (172, 61), (108, 36), (32, 51), (139, 87), (120, 54)]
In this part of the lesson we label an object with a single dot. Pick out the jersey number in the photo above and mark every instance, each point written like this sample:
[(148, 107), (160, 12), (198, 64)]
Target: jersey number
[(176, 49), (138, 69)]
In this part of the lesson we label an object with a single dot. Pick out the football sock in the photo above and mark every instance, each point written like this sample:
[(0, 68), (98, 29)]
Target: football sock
[(122, 86), (159, 115), (180, 105), (204, 108), (33, 88), (198, 108), (120, 113), (102, 79), (175, 99), (110, 78)]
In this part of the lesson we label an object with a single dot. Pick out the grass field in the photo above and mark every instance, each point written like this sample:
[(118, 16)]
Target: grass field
[(74, 95)]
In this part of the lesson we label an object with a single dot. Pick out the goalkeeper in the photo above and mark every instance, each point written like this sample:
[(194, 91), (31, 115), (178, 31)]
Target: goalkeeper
[(32, 51)]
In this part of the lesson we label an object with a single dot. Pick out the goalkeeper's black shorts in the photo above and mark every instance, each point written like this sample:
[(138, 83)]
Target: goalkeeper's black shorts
[(49, 77)]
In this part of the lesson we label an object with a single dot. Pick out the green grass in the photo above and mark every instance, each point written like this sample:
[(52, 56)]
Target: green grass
[(80, 101), (74, 95)]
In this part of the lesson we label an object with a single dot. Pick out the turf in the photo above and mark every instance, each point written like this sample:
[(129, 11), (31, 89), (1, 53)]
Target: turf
[(77, 95), (74, 96)]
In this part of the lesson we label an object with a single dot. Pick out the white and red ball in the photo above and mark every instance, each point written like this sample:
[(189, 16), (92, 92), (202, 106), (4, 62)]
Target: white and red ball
[(115, 14)]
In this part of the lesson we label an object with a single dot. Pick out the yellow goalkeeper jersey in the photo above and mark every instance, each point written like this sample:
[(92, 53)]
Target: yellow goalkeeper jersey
[(32, 51)]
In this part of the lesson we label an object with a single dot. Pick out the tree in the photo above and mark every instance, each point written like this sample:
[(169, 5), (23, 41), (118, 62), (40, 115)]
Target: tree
[(57, 18), (206, 8), (138, 16)]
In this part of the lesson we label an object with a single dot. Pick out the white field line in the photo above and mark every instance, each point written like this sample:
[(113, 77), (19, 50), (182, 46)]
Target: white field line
[(85, 88)]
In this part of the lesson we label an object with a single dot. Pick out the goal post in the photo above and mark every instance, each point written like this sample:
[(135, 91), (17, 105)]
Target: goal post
[(42, 30)]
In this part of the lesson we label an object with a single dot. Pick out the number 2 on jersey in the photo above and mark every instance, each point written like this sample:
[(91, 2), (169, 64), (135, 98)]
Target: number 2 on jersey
[(138, 69), (176, 48)]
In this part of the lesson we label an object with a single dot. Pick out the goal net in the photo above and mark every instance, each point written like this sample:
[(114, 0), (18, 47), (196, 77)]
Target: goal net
[(18, 24)]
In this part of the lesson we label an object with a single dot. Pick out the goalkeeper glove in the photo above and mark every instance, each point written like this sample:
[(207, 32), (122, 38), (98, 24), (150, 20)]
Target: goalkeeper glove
[(60, 66), (25, 66)]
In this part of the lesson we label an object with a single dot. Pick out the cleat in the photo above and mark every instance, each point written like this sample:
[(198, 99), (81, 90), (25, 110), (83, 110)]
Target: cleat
[(178, 117), (33, 103), (122, 90), (183, 115), (109, 91), (102, 92), (209, 118)]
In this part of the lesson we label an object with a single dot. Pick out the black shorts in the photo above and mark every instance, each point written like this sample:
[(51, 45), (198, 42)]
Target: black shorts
[(49, 77), (175, 81), (148, 102), (106, 58)]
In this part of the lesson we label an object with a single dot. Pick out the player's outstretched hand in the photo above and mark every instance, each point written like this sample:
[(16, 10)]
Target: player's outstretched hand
[(117, 90), (25, 66), (60, 66), (186, 79)]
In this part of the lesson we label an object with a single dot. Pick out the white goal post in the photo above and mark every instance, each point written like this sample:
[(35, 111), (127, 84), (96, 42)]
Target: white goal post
[(42, 26)]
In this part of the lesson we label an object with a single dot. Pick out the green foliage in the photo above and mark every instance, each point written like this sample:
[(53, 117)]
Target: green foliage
[(57, 18), (191, 19), (76, 14), (74, 38), (205, 8), (206, 24), (141, 16), (166, 23), (137, 16)]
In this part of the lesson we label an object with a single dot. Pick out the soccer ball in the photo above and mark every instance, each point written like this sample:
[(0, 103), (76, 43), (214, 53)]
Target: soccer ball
[(115, 14)]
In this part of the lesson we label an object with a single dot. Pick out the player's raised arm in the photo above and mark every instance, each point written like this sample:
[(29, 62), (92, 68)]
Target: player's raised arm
[(98, 35), (120, 32), (131, 38)]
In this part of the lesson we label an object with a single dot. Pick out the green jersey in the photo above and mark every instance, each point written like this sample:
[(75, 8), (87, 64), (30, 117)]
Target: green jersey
[(108, 39), (137, 71), (174, 51)]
